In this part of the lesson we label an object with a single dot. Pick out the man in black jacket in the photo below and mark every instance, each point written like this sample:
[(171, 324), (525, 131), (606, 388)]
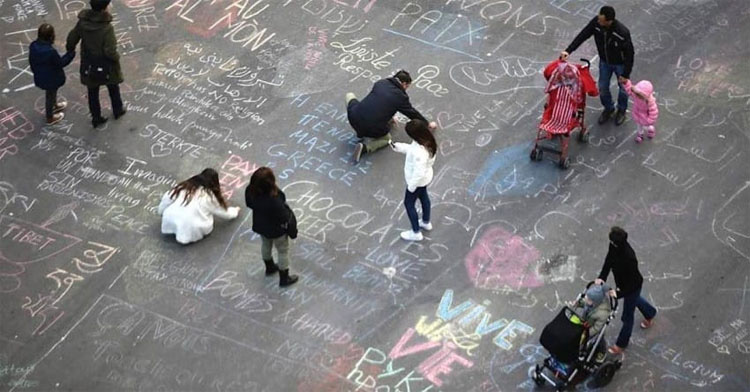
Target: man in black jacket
[(372, 118), (615, 56), (622, 262)]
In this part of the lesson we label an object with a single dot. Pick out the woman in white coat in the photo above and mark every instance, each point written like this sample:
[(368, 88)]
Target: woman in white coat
[(188, 209), (420, 156)]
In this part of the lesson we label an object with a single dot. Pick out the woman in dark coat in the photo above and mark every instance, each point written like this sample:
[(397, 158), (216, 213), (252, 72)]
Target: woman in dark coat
[(622, 262), (99, 50), (272, 220), (49, 75)]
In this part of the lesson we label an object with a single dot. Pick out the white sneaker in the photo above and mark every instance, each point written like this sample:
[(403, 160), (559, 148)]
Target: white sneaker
[(411, 236), (349, 97), (425, 226), (60, 106)]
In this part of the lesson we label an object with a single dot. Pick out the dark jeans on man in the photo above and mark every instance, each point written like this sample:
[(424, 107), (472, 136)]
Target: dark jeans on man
[(632, 301), (50, 100), (410, 202), (114, 96), (605, 75)]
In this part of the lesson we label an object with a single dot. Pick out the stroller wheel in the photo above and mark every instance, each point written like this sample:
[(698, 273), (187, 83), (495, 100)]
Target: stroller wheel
[(604, 374), (533, 155), (537, 377), (539, 155), (564, 163), (583, 137)]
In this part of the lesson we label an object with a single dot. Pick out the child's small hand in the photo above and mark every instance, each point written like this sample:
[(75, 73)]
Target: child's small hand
[(622, 79)]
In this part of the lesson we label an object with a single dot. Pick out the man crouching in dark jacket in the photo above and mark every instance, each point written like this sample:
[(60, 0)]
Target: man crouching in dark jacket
[(372, 118)]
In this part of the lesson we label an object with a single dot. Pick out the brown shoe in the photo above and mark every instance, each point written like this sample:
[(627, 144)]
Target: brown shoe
[(646, 324), (620, 117), (56, 118)]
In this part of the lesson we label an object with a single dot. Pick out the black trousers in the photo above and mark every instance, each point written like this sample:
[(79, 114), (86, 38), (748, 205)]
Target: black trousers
[(50, 100), (114, 96)]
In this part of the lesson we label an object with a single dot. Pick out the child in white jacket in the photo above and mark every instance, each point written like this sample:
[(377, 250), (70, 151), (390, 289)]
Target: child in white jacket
[(420, 156), (188, 209)]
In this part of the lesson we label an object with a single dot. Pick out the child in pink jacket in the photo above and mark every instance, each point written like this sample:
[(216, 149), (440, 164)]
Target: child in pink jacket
[(645, 111)]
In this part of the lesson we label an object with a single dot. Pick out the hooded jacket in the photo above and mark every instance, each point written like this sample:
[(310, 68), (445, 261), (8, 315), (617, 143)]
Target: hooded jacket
[(370, 117), (644, 112), (596, 317), (97, 35), (47, 65), (418, 165), (270, 216), (622, 262), (613, 43)]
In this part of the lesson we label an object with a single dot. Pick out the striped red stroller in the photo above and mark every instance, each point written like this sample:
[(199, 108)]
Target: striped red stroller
[(567, 88)]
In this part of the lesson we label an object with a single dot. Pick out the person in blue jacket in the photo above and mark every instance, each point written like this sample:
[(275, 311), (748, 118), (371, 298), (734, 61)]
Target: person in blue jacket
[(372, 119), (47, 66)]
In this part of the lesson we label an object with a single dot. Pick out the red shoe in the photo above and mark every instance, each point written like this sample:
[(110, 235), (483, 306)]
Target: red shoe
[(616, 350), (646, 324)]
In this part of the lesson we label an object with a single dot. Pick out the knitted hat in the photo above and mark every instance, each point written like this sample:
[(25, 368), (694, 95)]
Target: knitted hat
[(99, 5), (596, 294)]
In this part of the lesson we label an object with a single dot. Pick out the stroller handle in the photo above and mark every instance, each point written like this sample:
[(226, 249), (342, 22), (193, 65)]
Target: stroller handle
[(588, 63), (613, 303)]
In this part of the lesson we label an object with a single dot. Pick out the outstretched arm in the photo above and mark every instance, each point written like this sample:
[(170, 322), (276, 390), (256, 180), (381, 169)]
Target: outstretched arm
[(585, 34), (407, 110)]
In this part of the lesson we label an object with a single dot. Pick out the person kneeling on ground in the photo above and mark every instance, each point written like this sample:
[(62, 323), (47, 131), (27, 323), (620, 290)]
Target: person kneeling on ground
[(372, 118), (188, 209)]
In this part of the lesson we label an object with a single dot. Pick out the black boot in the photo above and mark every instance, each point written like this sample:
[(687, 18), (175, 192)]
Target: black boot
[(285, 279), (97, 122), (271, 267), (606, 115)]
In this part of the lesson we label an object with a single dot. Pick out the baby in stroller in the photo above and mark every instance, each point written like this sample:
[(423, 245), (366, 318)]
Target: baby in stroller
[(567, 87), (575, 340)]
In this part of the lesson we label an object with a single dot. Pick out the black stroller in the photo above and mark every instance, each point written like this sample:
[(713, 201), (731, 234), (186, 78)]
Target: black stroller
[(573, 354)]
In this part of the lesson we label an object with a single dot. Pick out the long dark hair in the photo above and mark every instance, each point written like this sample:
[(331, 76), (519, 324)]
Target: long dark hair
[(418, 130), (208, 179), (46, 33), (263, 183)]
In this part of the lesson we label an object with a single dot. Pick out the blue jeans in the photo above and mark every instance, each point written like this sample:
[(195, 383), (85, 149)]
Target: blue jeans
[(632, 301), (410, 202), (605, 74)]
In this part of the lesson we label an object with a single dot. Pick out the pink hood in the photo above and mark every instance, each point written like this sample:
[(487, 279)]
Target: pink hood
[(644, 112), (645, 87)]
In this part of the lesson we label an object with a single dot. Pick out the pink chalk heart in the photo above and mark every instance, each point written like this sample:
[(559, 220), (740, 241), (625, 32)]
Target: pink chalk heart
[(502, 260)]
